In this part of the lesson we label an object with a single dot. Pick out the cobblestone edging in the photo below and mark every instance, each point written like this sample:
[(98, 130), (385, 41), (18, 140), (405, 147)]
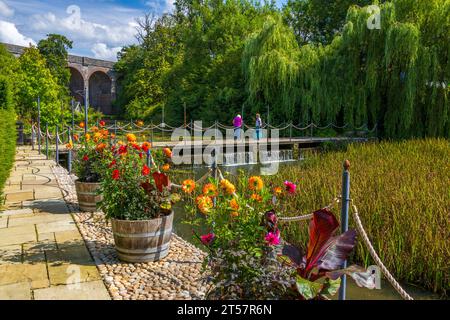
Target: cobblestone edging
[(178, 276)]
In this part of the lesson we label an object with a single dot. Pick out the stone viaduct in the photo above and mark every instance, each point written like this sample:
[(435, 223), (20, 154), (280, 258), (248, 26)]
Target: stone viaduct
[(91, 78)]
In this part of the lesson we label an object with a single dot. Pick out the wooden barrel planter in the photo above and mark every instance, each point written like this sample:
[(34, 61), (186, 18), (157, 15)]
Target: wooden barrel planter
[(142, 240), (87, 195)]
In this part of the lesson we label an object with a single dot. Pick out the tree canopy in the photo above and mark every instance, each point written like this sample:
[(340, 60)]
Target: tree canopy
[(311, 61)]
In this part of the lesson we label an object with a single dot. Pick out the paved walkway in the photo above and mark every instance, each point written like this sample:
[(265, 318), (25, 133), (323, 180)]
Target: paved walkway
[(42, 253)]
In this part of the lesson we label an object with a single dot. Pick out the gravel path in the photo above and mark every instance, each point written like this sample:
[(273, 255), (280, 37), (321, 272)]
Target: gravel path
[(177, 276)]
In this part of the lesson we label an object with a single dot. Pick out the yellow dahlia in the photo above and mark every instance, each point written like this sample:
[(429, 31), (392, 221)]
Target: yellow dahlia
[(204, 204), (255, 183), (227, 186), (131, 137)]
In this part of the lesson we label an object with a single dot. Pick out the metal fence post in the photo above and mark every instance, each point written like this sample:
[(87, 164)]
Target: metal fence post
[(46, 140), (344, 219), (39, 124), (57, 144), (32, 135), (69, 154), (86, 110), (148, 157), (73, 118)]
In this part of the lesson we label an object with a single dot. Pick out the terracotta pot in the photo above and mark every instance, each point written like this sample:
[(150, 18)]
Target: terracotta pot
[(142, 240), (87, 195)]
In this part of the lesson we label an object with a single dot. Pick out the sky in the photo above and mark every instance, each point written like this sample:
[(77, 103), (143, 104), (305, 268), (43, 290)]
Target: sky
[(98, 28)]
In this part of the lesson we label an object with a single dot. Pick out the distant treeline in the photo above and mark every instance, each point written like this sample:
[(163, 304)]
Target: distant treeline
[(315, 61)]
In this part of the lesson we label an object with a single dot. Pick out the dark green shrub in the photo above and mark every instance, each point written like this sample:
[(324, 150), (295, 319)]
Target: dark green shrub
[(7, 130)]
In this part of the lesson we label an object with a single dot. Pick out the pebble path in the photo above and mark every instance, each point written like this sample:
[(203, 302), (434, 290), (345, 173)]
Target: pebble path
[(178, 276)]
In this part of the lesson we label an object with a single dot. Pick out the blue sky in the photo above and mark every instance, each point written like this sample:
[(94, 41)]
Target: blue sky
[(98, 28)]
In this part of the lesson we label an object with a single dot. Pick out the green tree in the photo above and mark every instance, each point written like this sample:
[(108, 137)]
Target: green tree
[(36, 80), (54, 50), (318, 21)]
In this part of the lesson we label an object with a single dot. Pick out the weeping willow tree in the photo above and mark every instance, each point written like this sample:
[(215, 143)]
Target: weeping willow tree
[(396, 77), (271, 66)]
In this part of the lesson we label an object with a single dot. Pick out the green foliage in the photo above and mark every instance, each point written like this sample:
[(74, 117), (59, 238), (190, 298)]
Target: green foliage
[(7, 124), (130, 189), (401, 191), (242, 265), (218, 58), (35, 79), (270, 64), (54, 50), (318, 21)]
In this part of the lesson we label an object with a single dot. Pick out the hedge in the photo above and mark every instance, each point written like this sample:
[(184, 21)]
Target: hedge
[(7, 131)]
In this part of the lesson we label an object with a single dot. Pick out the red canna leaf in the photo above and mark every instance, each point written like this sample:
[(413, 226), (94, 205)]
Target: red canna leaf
[(161, 180), (322, 226)]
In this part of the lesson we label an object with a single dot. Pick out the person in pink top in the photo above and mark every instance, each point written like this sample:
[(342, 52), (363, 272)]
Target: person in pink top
[(237, 123)]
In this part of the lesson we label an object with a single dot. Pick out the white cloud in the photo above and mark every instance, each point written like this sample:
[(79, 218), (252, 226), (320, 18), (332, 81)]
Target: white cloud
[(101, 51), (78, 29), (10, 34), (5, 10), (164, 6)]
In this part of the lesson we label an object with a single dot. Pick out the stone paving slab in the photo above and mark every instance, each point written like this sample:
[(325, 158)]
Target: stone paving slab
[(16, 212), (11, 254), (54, 206), (56, 226), (15, 291), (41, 249), (38, 218), (94, 290), (35, 274), (3, 222)]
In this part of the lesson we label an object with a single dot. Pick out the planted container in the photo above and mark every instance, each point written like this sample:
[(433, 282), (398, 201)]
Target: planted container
[(142, 240), (87, 195)]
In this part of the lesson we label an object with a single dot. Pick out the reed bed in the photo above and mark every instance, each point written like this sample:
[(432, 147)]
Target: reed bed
[(402, 191)]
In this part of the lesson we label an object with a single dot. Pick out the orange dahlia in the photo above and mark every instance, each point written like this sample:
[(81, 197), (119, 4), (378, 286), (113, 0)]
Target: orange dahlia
[(94, 129), (81, 124), (210, 190), (277, 191), (204, 204), (255, 183), (165, 167), (131, 137), (146, 146), (69, 145), (256, 197), (87, 137), (188, 186), (167, 152), (234, 204), (100, 147)]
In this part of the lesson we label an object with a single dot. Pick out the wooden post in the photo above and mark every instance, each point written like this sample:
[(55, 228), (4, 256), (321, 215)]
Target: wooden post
[(344, 219)]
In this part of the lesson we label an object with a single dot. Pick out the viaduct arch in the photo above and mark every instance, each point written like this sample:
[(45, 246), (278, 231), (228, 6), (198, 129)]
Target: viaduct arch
[(91, 80)]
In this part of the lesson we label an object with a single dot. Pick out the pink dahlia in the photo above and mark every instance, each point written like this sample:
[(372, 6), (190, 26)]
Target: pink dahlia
[(273, 238), (207, 239), (290, 187)]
